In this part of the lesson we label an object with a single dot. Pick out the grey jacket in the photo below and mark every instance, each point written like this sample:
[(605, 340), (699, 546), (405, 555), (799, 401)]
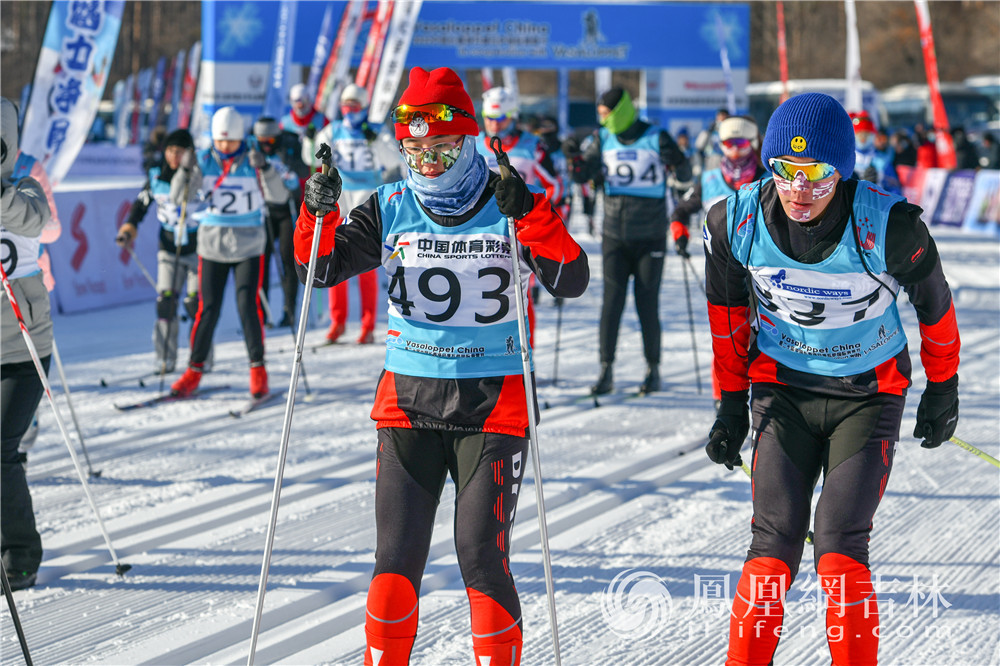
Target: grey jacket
[(24, 210), (222, 243)]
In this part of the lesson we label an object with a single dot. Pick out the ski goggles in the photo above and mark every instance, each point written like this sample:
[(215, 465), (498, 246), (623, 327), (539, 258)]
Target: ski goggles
[(404, 113), (812, 171), (736, 142), (447, 153)]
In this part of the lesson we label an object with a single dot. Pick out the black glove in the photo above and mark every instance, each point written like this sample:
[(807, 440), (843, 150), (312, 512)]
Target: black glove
[(681, 245), (310, 131), (571, 147), (514, 199), (732, 423), (257, 160), (322, 192), (937, 415)]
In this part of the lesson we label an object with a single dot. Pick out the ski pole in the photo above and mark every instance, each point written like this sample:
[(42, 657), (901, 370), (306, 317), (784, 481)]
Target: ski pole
[(555, 360), (149, 278), (324, 154), (973, 450), (9, 593), (529, 392), (120, 568), (694, 339), (72, 412), (698, 282)]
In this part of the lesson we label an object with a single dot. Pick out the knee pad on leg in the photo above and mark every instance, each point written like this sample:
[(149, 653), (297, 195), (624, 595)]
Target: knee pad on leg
[(496, 636), (191, 305), (166, 306), (851, 610), (390, 620), (758, 611)]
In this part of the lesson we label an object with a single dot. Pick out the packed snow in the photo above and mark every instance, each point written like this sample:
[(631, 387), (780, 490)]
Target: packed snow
[(647, 535)]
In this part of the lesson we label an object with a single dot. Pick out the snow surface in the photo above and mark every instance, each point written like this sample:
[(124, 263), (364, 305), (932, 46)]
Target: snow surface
[(185, 492)]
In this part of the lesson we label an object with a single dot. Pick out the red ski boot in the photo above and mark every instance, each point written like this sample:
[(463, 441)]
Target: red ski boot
[(258, 380), (367, 337), (336, 330), (188, 383)]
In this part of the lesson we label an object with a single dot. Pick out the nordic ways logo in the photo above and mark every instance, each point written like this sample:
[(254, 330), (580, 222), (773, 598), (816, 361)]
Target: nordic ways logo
[(636, 604)]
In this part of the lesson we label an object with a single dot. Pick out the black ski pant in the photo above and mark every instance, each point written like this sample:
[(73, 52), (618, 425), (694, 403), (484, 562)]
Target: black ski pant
[(641, 260), (212, 278), (487, 469), (797, 434), (281, 227), (20, 392)]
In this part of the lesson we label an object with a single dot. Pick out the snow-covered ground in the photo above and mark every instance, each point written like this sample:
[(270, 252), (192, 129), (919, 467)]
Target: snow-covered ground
[(185, 492)]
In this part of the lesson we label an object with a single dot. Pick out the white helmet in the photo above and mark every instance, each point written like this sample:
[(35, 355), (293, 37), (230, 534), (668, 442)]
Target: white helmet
[(356, 93), (738, 127), (297, 92), (227, 125), (499, 103)]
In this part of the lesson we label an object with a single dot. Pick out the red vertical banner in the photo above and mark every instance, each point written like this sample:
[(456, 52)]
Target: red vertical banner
[(368, 69), (942, 137), (782, 51)]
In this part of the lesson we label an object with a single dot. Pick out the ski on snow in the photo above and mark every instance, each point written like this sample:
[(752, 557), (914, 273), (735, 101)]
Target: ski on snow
[(611, 398), (252, 404), (168, 397), (105, 383)]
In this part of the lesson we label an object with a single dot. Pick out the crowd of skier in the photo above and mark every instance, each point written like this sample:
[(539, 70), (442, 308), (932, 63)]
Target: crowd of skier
[(806, 250)]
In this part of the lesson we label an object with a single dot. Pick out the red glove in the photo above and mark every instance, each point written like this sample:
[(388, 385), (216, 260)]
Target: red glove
[(681, 237), (303, 237), (543, 232)]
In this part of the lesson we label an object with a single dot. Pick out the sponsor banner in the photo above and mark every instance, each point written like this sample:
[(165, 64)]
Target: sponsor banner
[(983, 212), (532, 35), (930, 193), (106, 159), (90, 270), (321, 52), (72, 71), (954, 199), (677, 97)]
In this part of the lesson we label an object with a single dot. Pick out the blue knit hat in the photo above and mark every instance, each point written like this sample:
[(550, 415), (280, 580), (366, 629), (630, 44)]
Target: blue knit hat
[(811, 125)]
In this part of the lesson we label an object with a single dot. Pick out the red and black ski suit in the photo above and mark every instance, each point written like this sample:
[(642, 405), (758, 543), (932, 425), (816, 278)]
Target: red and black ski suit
[(471, 428)]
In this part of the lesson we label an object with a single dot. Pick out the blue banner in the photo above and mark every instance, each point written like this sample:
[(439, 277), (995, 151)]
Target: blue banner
[(284, 37), (321, 52)]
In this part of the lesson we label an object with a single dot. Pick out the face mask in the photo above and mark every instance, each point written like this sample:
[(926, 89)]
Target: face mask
[(356, 118), (813, 192), (866, 143)]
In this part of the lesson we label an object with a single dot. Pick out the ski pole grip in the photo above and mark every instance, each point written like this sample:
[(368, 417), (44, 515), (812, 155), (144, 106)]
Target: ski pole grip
[(503, 162), (324, 154)]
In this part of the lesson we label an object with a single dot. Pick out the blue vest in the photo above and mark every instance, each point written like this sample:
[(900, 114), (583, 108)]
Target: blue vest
[(237, 200), (635, 169), (167, 212), (522, 155), (714, 188), (452, 308), (829, 318), (354, 158)]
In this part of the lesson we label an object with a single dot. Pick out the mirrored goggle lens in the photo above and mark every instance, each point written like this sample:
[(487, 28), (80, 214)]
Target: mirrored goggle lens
[(404, 113), (736, 143), (813, 171)]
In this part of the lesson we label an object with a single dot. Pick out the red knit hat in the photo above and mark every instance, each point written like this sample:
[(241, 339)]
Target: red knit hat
[(439, 86), (862, 122)]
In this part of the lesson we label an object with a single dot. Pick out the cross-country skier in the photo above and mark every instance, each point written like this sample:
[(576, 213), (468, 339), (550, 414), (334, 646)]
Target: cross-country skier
[(172, 288), (24, 212), (231, 183), (739, 140), (450, 399), (282, 149), (826, 364), (634, 157), (303, 120), (362, 167)]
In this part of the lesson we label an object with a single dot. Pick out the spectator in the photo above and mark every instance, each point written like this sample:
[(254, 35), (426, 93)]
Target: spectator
[(906, 153), (965, 151), (991, 152)]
